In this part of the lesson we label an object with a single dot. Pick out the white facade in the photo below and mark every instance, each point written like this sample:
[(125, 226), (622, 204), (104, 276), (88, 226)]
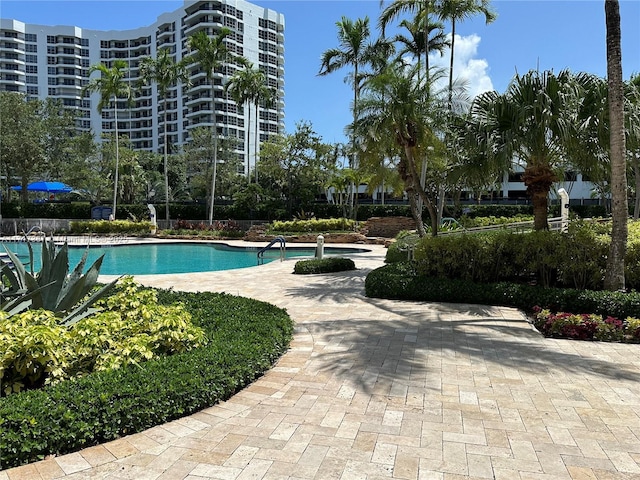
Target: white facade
[(53, 61)]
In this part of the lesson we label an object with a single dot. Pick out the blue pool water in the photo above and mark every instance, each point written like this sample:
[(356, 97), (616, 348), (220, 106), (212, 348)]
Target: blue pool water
[(171, 257)]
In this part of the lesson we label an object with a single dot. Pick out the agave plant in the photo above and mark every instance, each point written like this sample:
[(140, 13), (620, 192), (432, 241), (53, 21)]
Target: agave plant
[(53, 287)]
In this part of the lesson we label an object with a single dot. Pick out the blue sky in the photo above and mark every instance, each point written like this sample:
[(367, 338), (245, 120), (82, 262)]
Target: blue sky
[(544, 34)]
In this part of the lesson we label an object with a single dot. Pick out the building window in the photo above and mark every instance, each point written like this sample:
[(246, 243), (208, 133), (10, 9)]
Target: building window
[(51, 39), (31, 58), (31, 48), (32, 80), (31, 90), (52, 91), (31, 37), (32, 69), (52, 50)]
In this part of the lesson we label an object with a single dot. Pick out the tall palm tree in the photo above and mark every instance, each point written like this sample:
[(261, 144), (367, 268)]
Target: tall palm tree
[(249, 86), (165, 72), (354, 50), (353, 39), (413, 43), (421, 11), (457, 10), (614, 274), (210, 53), (111, 84), (531, 122), (398, 106)]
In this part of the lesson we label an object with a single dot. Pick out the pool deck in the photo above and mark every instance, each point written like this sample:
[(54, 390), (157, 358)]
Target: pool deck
[(379, 389)]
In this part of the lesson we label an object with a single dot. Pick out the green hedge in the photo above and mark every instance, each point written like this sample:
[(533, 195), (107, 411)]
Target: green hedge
[(245, 339), (576, 259), (325, 265), (401, 281), (320, 225), (110, 227)]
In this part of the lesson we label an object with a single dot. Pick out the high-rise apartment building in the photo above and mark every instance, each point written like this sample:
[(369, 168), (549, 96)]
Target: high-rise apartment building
[(53, 61)]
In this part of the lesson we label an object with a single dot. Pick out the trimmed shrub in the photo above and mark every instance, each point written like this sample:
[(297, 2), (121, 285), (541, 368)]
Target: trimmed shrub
[(245, 338), (325, 265), (110, 227), (576, 259), (402, 281), (321, 225)]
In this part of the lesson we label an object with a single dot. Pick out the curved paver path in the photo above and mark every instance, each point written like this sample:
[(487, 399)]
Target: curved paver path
[(377, 389)]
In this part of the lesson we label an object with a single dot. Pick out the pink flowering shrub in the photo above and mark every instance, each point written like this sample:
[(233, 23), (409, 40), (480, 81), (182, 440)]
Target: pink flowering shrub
[(586, 326)]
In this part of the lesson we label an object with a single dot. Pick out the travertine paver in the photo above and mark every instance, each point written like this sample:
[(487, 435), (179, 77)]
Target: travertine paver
[(376, 389)]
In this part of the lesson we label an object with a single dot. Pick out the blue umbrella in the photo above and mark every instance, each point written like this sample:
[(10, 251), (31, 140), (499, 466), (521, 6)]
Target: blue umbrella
[(49, 187)]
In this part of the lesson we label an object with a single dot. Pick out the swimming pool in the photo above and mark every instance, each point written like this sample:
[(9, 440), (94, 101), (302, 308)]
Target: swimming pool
[(178, 257)]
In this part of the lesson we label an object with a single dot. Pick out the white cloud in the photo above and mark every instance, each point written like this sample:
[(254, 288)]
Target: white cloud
[(466, 67)]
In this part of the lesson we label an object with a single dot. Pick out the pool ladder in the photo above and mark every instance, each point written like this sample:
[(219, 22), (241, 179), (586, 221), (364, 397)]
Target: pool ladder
[(283, 249)]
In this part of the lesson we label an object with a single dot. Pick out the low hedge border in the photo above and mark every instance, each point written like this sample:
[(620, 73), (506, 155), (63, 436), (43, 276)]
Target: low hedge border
[(400, 281), (325, 265), (245, 338)]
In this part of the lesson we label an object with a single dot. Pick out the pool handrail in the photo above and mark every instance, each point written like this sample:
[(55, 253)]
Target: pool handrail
[(283, 248)]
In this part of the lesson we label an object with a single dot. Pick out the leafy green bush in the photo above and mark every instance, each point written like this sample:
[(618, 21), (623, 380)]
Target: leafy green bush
[(325, 265), (130, 328), (111, 227), (402, 281), (402, 248), (245, 338), (305, 226), (576, 259)]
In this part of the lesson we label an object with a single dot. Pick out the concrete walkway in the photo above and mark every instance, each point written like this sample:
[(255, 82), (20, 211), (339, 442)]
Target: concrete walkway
[(378, 389)]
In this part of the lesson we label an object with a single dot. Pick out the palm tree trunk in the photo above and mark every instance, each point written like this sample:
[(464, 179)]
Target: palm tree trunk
[(215, 154), (453, 40), (115, 178), (166, 164), (248, 137), (614, 273), (255, 144)]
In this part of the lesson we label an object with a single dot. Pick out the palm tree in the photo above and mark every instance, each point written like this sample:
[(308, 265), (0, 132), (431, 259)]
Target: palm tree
[(354, 51), (414, 42), (398, 106), (353, 38), (457, 10), (249, 86), (530, 123), (614, 273), (421, 10), (210, 53), (111, 84), (165, 72)]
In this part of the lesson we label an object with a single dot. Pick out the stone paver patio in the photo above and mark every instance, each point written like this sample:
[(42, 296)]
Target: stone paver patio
[(378, 389)]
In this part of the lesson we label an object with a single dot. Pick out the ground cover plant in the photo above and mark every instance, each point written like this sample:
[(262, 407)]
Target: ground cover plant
[(324, 265), (243, 338)]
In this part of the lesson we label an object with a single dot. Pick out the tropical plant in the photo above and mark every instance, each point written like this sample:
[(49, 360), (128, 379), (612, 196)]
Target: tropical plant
[(112, 83), (400, 106), (354, 50), (455, 11), (165, 72), (249, 86), (530, 123), (53, 288), (210, 53)]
